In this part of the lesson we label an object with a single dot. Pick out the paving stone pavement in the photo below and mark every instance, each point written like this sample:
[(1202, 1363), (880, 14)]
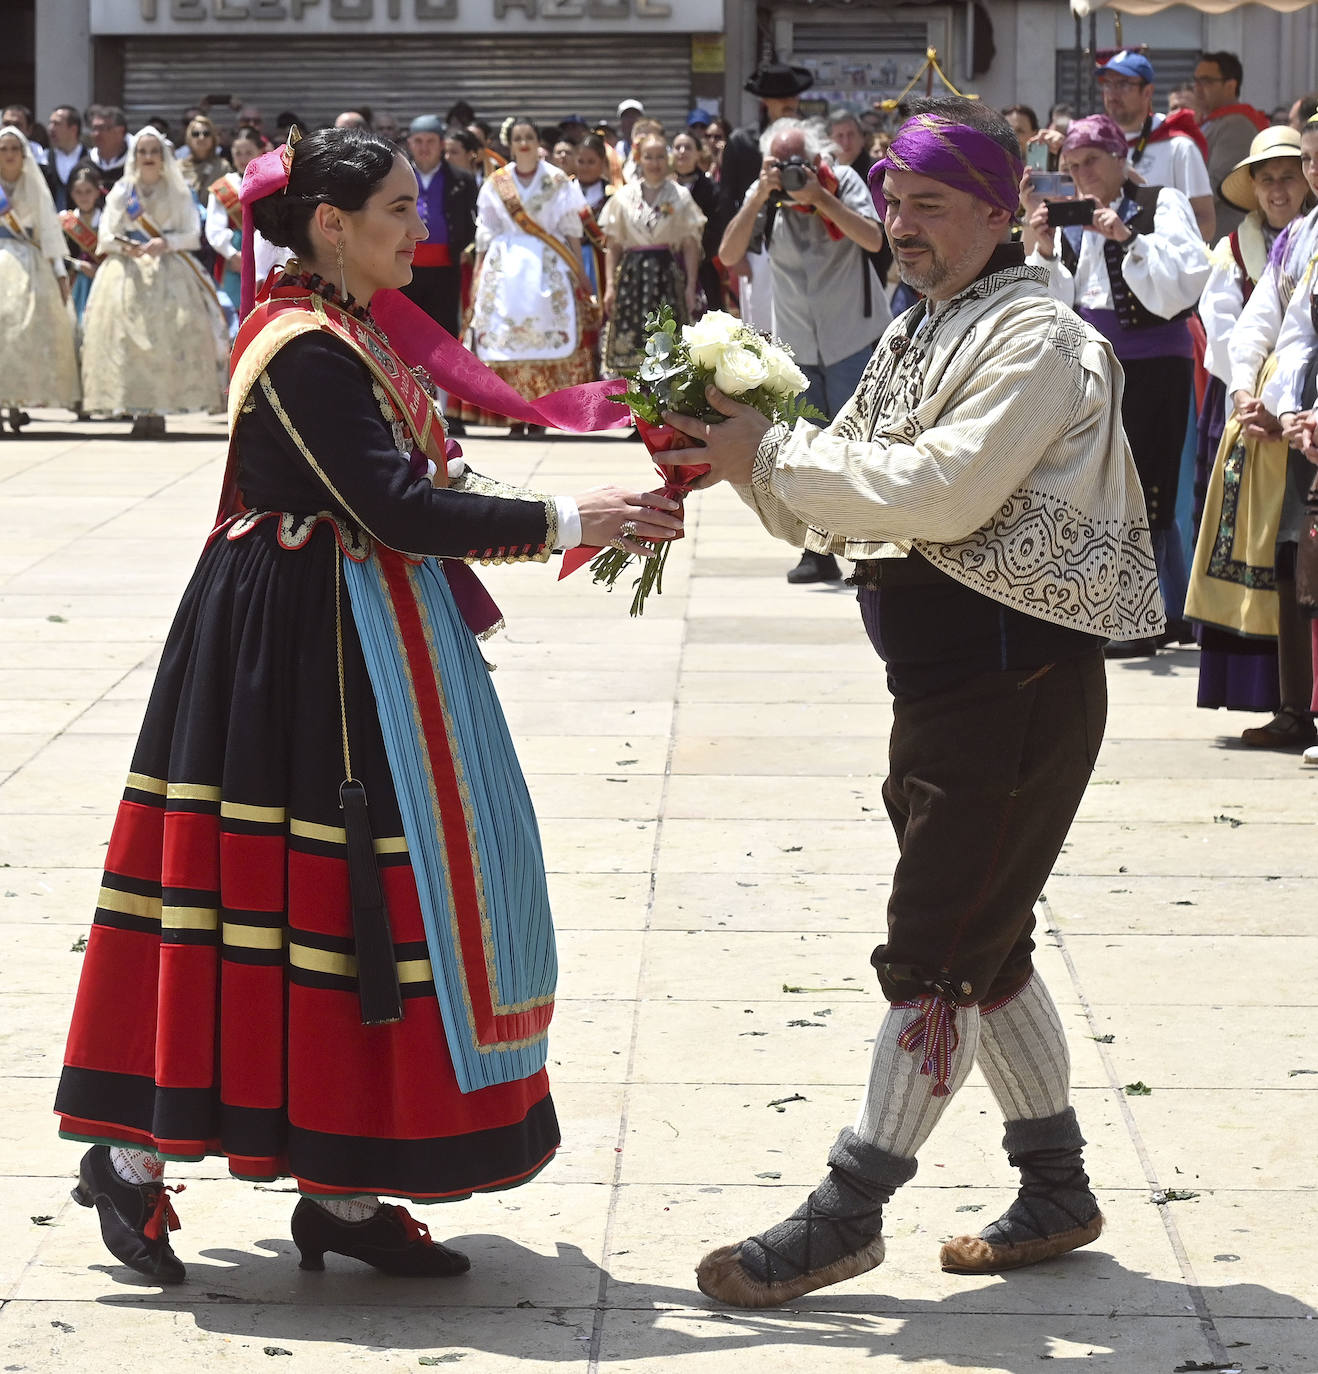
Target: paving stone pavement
[(707, 780)]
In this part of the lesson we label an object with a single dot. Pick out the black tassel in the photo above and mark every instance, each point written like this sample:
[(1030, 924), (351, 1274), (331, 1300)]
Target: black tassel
[(377, 973)]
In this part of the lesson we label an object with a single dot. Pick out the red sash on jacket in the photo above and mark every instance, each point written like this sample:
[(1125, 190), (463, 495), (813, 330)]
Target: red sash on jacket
[(290, 310), (77, 233), (1256, 117), (1178, 124), (227, 194)]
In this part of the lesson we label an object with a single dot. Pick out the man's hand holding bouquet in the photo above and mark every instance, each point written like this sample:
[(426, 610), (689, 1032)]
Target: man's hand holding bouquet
[(679, 368)]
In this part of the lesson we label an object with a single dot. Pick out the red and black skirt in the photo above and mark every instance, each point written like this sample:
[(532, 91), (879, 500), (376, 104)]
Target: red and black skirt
[(218, 1010)]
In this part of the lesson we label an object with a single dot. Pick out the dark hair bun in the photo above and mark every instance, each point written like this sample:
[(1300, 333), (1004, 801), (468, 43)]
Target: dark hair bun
[(339, 167)]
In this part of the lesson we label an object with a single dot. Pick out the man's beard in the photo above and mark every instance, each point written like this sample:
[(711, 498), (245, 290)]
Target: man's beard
[(938, 271)]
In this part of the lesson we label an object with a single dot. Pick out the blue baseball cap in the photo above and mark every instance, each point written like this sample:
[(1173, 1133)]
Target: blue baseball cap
[(1128, 63), (698, 117), (426, 124), (575, 119)]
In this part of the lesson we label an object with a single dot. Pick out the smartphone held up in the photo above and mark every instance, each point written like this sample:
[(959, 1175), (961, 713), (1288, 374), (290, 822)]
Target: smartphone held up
[(1064, 212)]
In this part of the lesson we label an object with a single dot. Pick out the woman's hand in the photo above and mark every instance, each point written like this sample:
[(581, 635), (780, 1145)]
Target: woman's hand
[(612, 517), (63, 289), (155, 248), (1045, 236), (1256, 420), (1297, 427), (1052, 139), (1110, 224), (609, 301), (691, 302)]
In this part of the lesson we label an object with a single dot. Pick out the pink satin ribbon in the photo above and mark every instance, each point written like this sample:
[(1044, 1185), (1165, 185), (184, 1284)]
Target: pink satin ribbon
[(419, 341)]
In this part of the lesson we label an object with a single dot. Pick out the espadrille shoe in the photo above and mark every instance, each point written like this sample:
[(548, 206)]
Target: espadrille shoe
[(833, 1235), (722, 1275), (975, 1255), (1053, 1212)]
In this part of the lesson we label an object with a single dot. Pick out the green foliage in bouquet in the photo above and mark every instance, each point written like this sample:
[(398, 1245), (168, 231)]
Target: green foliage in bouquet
[(679, 365), (681, 362)]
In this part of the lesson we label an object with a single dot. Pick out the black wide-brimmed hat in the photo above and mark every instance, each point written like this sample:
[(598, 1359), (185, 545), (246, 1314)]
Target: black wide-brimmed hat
[(776, 80)]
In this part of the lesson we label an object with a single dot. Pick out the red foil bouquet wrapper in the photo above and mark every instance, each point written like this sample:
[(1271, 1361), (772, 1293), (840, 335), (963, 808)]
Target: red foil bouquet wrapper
[(678, 479)]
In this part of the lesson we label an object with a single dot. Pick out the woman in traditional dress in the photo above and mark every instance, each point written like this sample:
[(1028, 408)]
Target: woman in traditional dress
[(1239, 670), (653, 229), (528, 322), (689, 156), (203, 164), (81, 224), (323, 946), (38, 365), (224, 211), (154, 338)]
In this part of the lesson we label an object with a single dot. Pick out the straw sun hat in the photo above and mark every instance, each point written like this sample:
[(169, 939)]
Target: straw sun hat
[(1277, 141)]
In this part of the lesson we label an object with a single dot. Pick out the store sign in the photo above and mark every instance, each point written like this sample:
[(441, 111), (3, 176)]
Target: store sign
[(184, 17)]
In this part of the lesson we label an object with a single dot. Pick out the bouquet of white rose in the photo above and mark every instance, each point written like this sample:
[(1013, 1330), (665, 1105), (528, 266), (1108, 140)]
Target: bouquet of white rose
[(718, 350)]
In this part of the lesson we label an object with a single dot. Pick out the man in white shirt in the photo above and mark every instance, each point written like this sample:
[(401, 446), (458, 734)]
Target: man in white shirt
[(67, 150), (1164, 149), (109, 127)]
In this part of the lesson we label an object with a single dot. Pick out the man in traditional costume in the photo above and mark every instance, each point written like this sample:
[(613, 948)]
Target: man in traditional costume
[(1135, 273), (981, 480), (448, 205)]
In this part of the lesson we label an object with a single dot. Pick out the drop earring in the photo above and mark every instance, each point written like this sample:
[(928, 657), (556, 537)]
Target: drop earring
[(343, 281)]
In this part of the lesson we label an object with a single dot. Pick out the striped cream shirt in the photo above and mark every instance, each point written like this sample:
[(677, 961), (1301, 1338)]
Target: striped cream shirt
[(987, 436)]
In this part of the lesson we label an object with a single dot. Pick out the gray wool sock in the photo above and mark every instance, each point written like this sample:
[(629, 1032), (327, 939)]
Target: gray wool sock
[(843, 1214), (1054, 1194)]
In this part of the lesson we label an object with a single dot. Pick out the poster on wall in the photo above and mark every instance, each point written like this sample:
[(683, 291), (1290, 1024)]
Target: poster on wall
[(851, 79)]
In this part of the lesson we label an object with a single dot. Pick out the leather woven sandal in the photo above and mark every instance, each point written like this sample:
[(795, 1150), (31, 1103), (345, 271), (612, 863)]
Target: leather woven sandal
[(975, 1255)]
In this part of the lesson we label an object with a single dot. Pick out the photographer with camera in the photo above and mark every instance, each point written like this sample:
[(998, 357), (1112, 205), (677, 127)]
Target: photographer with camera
[(1130, 261), (817, 222)]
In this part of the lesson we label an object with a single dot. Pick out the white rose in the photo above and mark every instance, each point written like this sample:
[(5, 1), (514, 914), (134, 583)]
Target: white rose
[(709, 338), (785, 378), (739, 371)]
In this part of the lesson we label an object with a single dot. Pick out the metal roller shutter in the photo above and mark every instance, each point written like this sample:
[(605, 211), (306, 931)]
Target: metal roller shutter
[(542, 76)]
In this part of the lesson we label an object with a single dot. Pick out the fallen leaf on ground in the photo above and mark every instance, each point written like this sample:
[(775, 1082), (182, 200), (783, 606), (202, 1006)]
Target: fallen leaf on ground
[(1138, 1089)]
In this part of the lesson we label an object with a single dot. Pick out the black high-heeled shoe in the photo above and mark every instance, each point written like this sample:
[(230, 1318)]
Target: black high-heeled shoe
[(136, 1218), (393, 1241)]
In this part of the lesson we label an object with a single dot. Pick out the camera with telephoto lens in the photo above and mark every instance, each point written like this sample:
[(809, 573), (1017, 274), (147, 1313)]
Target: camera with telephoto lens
[(793, 173)]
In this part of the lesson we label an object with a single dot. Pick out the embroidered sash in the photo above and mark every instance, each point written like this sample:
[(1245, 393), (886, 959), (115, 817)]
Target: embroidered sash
[(471, 830), (512, 202), (77, 233), (149, 227), (289, 311), (227, 194), (10, 220)]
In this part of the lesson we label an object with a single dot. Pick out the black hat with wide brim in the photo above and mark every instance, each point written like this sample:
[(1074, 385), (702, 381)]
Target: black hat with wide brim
[(777, 81)]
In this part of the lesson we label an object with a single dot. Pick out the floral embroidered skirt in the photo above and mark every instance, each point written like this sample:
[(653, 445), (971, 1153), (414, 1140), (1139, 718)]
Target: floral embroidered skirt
[(647, 279), (534, 377), (218, 1012)]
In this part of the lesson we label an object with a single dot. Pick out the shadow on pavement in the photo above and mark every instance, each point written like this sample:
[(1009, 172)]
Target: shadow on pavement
[(1155, 1330)]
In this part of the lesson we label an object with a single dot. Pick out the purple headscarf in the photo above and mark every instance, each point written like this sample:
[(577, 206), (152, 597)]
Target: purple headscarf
[(1096, 131), (955, 154)]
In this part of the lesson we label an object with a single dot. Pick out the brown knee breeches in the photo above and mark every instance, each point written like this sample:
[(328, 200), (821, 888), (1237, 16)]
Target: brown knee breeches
[(984, 781)]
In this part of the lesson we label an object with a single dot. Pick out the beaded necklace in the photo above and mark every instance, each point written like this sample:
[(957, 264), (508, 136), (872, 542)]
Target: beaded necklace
[(317, 284)]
